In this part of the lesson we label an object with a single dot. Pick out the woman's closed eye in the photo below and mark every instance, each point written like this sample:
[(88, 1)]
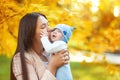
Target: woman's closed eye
[(43, 26)]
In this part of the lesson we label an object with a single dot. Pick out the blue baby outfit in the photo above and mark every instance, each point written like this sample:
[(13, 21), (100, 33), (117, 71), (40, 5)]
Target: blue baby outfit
[(64, 72)]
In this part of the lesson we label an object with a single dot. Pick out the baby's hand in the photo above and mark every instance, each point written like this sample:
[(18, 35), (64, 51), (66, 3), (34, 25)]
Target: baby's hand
[(44, 34)]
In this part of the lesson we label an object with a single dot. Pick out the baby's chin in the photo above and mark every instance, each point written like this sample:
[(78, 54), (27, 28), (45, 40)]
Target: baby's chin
[(53, 40)]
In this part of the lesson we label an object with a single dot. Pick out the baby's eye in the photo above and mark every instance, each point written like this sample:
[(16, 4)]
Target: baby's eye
[(59, 31)]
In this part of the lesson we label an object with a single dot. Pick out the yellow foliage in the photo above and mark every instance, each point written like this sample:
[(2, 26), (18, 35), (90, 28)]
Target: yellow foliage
[(95, 32), (7, 42), (113, 69), (89, 35)]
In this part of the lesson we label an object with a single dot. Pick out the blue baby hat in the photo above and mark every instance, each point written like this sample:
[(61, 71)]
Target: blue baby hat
[(66, 31)]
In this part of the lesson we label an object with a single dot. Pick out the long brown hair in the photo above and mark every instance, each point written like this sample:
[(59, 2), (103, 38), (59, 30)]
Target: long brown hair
[(26, 33)]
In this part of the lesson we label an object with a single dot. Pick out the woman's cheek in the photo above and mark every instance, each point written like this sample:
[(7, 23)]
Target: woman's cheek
[(38, 34), (44, 30)]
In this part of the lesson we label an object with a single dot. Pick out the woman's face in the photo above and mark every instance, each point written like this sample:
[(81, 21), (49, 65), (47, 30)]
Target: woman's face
[(42, 25), (56, 35)]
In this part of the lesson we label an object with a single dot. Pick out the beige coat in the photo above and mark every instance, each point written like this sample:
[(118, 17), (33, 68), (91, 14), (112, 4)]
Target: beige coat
[(36, 67)]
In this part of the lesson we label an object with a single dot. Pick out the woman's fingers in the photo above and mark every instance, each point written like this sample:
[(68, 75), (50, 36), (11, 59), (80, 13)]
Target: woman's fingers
[(62, 57), (65, 57), (43, 34)]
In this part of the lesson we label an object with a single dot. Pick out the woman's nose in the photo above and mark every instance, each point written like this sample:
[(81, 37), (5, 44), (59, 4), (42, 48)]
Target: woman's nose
[(49, 29)]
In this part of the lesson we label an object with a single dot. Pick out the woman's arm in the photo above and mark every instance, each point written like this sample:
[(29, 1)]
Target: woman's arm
[(35, 67), (57, 60)]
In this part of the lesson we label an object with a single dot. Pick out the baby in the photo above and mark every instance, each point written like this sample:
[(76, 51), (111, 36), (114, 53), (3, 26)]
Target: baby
[(59, 37)]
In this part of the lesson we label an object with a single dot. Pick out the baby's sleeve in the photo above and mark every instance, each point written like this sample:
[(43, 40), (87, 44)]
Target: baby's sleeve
[(53, 47)]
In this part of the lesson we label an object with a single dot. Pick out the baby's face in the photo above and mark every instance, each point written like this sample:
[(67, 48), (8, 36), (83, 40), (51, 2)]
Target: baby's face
[(56, 35)]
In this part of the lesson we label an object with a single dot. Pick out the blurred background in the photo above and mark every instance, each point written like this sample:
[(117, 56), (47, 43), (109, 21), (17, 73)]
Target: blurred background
[(94, 46)]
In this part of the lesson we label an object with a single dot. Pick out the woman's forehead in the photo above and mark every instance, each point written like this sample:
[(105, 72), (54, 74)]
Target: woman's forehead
[(42, 19)]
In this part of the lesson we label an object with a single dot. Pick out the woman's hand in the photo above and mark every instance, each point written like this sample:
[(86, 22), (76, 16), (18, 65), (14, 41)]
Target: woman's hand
[(57, 60), (44, 33), (60, 58)]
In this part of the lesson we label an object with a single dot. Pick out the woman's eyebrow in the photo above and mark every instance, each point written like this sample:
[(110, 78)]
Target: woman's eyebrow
[(44, 23)]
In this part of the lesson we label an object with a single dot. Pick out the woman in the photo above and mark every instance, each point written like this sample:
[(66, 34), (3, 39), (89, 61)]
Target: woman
[(29, 61)]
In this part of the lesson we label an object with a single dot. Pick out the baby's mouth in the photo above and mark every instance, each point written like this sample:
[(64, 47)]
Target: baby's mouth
[(54, 36)]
